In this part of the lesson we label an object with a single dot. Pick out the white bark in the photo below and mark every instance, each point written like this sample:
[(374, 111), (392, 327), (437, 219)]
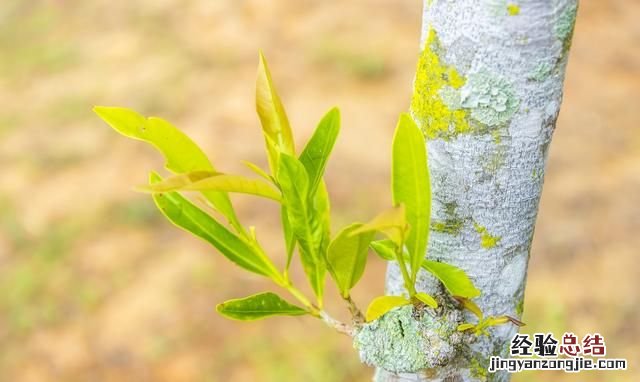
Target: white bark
[(489, 114)]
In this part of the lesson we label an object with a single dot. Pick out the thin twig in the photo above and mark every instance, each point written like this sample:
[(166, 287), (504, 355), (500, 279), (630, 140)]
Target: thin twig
[(356, 313), (337, 325)]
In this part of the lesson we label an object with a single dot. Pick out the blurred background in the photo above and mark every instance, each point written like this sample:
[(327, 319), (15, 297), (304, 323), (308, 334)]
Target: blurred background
[(96, 286)]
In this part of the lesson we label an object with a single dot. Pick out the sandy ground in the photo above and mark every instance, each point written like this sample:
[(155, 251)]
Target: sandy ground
[(95, 286)]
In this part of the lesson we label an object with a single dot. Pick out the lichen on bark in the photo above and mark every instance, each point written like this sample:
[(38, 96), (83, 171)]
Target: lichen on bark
[(446, 104), (490, 98), (487, 240), (408, 341), (434, 105), (452, 222), (565, 24)]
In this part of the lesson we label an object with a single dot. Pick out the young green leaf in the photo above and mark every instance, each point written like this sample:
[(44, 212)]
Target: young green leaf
[(275, 124), (427, 299), (294, 184), (453, 278), (347, 257), (256, 169), (258, 306), (321, 219), (207, 181), (391, 222), (315, 155), (176, 182), (465, 327), (484, 323), (493, 321), (386, 249), (171, 183), (187, 216), (470, 306), (383, 304), (289, 238), (410, 186), (180, 152)]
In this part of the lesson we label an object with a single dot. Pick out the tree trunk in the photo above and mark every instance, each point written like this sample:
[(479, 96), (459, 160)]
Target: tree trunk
[(487, 93)]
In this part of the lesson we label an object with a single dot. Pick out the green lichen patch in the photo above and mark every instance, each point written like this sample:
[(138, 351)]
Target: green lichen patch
[(404, 342), (496, 159), (564, 27), (479, 368), (537, 174), (452, 224), (541, 72), (520, 307), (491, 99), (487, 240), (438, 117), (451, 97)]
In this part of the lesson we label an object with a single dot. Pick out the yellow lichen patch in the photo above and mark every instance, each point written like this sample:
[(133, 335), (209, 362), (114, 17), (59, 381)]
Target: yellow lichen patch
[(433, 115), (455, 79), (487, 240), (513, 9), (497, 138)]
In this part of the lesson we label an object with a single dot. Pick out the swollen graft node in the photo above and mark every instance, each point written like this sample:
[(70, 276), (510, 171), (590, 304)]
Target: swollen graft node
[(406, 340)]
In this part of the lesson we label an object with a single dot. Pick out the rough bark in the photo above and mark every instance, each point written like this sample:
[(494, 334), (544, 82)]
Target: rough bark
[(487, 93)]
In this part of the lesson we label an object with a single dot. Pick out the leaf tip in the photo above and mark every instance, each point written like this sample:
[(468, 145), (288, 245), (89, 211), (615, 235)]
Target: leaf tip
[(220, 309), (261, 55), (102, 111), (263, 67), (515, 321), (405, 116), (154, 177), (427, 300)]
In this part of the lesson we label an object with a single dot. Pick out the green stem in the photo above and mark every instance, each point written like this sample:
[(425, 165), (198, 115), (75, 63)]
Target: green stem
[(295, 292), (275, 275), (408, 284), (356, 313), (405, 275), (317, 312), (337, 325)]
